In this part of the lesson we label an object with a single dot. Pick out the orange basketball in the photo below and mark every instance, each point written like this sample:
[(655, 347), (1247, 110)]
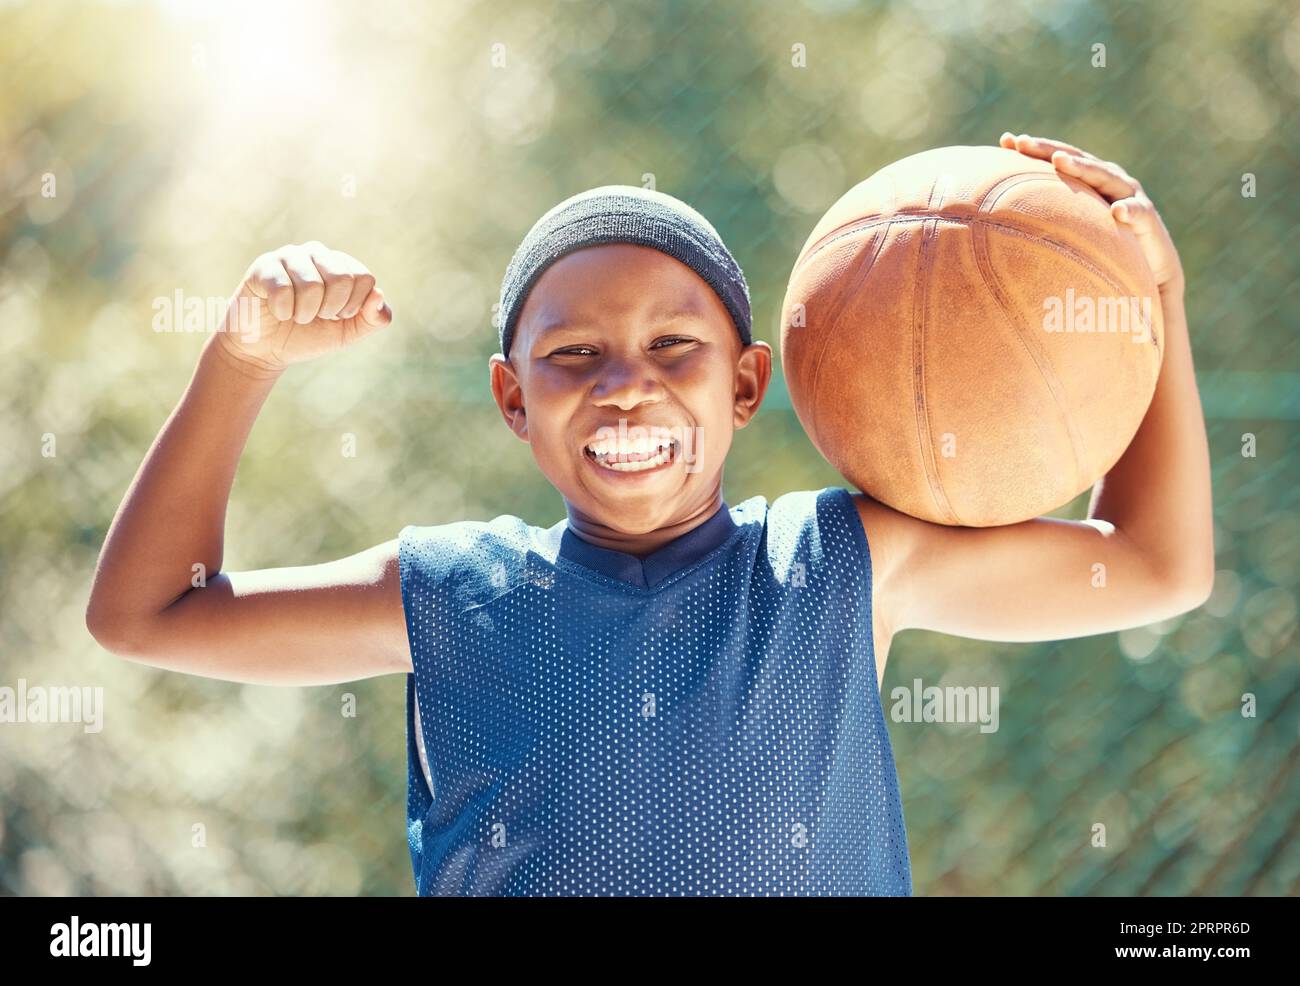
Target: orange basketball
[(970, 337)]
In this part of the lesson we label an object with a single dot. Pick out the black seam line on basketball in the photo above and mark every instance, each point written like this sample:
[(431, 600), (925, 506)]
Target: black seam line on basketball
[(930, 203), (990, 200), (1046, 372), (970, 220), (808, 251), (984, 264), (830, 332), (920, 407), (991, 196)]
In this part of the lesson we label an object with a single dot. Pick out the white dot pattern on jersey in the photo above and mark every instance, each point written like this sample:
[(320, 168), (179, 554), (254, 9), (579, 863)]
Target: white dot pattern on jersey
[(720, 732)]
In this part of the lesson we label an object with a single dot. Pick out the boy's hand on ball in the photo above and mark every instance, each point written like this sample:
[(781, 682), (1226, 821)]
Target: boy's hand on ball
[(1129, 204), (299, 302)]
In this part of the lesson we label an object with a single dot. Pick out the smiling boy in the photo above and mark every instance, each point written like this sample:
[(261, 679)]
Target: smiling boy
[(660, 693)]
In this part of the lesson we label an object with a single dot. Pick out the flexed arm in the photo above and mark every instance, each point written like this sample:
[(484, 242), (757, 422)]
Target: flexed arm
[(314, 624)]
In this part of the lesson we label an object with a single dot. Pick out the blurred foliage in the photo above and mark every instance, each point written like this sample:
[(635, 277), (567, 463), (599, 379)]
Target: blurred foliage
[(186, 138)]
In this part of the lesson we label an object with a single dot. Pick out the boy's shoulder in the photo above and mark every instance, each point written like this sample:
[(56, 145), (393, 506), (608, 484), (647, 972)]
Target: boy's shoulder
[(825, 521), (472, 549)]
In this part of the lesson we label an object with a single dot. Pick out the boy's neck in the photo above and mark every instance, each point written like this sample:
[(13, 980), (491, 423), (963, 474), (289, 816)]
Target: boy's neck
[(641, 545)]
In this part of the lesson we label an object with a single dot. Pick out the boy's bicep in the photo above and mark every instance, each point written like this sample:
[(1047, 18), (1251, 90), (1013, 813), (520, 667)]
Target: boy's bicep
[(1043, 579), (308, 625)]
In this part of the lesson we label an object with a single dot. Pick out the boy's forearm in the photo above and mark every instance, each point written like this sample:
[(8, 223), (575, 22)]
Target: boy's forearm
[(1158, 494), (173, 515)]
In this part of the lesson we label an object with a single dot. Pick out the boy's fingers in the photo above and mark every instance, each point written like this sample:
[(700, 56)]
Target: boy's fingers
[(1137, 211), (375, 312), (268, 279), (362, 283), (1043, 147), (1106, 178), (335, 271), (308, 284)]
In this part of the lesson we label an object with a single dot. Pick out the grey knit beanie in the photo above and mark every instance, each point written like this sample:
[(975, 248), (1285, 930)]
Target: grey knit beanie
[(624, 214)]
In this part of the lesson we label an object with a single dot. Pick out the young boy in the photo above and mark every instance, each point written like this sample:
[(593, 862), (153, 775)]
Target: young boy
[(658, 694)]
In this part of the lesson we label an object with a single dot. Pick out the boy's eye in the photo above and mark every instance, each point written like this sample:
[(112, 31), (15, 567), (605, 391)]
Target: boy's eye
[(584, 350)]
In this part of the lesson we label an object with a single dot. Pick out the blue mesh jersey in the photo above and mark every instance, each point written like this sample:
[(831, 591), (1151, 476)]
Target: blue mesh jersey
[(704, 721)]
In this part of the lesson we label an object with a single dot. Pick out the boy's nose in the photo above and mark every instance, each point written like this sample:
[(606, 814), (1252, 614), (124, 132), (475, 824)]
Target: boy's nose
[(627, 383)]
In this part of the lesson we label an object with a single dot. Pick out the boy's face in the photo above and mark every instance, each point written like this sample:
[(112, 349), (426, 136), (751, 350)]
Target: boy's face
[(620, 342)]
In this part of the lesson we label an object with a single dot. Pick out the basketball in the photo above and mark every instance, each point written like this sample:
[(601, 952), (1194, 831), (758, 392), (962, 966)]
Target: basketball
[(969, 336)]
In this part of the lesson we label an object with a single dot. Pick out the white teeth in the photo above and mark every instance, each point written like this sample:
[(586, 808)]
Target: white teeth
[(634, 446), (610, 460), (640, 466)]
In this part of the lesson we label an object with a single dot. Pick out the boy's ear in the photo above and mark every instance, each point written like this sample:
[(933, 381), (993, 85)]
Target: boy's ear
[(753, 374), (509, 394)]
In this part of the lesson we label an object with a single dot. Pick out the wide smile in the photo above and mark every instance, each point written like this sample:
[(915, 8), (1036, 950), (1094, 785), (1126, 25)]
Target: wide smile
[(633, 463)]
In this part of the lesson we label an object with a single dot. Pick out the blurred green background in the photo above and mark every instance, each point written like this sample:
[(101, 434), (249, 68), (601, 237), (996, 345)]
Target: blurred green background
[(186, 138)]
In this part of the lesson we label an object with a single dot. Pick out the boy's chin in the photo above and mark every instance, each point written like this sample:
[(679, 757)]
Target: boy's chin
[(629, 509)]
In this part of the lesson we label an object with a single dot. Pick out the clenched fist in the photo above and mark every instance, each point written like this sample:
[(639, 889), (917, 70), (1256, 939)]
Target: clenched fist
[(298, 302)]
